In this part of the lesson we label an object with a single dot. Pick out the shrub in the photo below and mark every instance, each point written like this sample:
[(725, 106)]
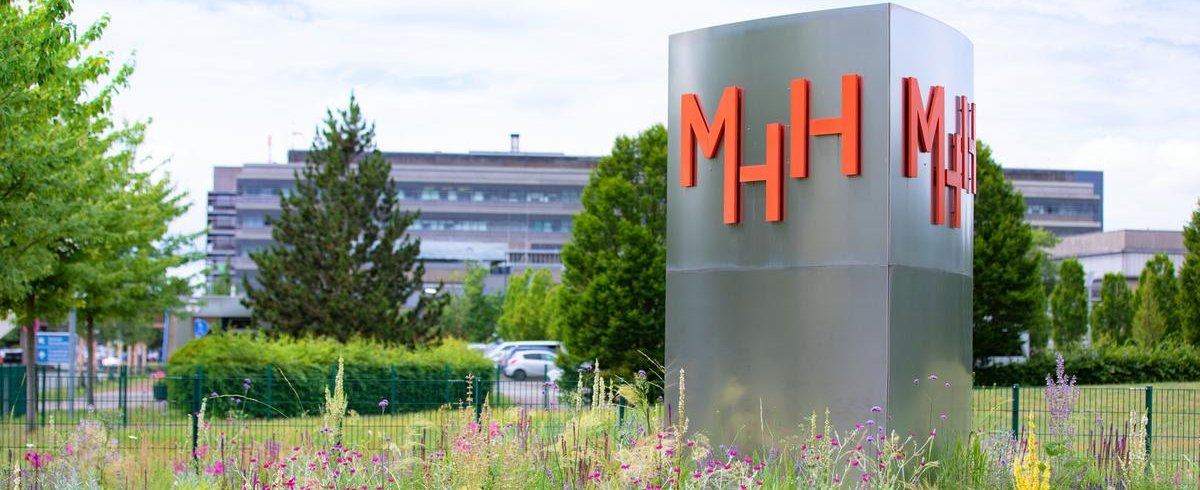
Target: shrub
[(255, 376), (1166, 362)]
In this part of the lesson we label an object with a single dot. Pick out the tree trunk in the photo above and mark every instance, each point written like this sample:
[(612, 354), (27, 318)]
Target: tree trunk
[(90, 322), (31, 392)]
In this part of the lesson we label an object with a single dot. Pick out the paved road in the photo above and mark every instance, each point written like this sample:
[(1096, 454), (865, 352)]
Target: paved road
[(529, 393)]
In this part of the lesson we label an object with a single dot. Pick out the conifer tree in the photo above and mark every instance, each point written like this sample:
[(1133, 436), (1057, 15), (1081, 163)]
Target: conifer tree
[(342, 264), (1189, 280)]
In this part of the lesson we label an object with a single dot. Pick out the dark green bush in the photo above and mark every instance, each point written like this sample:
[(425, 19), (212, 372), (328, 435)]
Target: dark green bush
[(288, 377), (1166, 362)]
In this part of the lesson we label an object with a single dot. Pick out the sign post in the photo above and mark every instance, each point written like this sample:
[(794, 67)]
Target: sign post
[(53, 347), (71, 369), (820, 198)]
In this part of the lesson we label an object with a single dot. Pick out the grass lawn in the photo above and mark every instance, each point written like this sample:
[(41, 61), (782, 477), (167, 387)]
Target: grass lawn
[(1174, 414)]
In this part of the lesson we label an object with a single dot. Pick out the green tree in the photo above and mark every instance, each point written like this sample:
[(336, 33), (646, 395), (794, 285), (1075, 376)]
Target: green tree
[(1112, 316), (222, 285), (1069, 304), (530, 306), (1156, 318), (1008, 294), (56, 134), (473, 315), (1189, 280), (613, 303), (1039, 329), (125, 277), (343, 264)]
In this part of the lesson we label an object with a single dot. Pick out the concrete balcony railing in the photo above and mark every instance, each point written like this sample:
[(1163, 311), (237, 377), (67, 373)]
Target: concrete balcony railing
[(535, 257)]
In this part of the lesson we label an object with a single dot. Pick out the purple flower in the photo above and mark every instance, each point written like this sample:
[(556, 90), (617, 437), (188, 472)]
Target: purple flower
[(214, 395), (933, 377), (383, 404), (1061, 397), (246, 384), (876, 409), (641, 374)]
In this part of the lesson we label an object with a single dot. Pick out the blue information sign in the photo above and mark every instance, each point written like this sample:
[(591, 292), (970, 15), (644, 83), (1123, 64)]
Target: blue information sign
[(199, 327), (53, 348)]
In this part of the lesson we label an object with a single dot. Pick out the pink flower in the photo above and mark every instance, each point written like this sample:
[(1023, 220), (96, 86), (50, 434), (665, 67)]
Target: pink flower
[(38, 460), (217, 468), (68, 449)]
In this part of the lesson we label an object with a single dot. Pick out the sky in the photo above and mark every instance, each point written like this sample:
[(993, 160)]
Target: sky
[(1096, 84)]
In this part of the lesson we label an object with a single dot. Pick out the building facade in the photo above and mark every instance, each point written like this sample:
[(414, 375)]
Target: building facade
[(1123, 251), (1064, 202), (508, 210)]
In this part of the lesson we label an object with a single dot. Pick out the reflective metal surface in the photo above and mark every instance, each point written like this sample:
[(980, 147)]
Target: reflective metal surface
[(854, 294)]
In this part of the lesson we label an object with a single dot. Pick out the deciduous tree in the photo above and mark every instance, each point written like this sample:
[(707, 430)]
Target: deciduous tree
[(1068, 304), (1112, 316), (613, 301), (530, 306), (343, 264), (473, 315), (1156, 316), (57, 174), (1009, 298)]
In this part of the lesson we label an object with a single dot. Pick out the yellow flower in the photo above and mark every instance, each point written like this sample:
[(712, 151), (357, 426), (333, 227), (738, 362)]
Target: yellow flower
[(1029, 473)]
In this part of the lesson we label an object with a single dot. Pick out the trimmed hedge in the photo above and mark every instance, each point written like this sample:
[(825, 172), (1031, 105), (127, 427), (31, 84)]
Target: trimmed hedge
[(1167, 362), (288, 377)]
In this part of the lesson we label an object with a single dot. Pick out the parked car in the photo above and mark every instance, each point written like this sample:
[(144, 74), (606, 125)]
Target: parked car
[(12, 356), (526, 362), (500, 352)]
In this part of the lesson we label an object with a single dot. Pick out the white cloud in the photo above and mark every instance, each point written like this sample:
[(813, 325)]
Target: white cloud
[(1080, 84)]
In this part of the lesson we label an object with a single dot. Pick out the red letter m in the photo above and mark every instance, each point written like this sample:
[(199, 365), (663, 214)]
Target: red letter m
[(726, 124), (925, 131)]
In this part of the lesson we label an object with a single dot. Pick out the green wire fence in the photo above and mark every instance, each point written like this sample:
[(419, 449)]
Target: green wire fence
[(138, 411)]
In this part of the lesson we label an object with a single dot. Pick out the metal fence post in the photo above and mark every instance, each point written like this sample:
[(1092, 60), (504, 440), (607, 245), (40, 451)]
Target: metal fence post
[(393, 382), (446, 390), (1016, 410), (123, 396), (545, 387), (620, 411), (1149, 418), (197, 392), (270, 396), (496, 387), (478, 398)]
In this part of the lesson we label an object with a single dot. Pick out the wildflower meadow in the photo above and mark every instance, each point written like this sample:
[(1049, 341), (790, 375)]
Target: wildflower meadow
[(612, 434)]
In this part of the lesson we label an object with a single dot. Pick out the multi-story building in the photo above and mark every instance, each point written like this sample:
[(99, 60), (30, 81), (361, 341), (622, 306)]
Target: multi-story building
[(1124, 251), (509, 210), (1065, 202)]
